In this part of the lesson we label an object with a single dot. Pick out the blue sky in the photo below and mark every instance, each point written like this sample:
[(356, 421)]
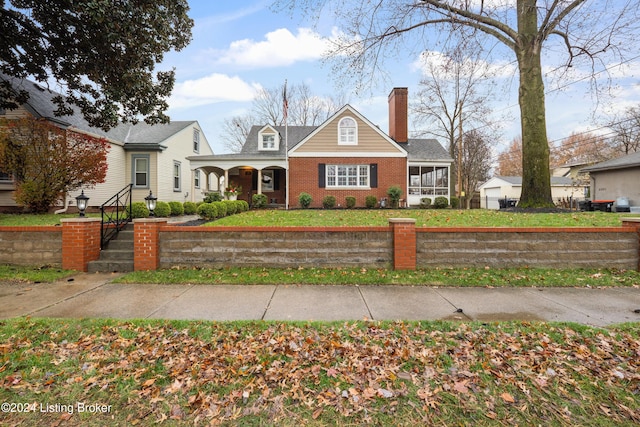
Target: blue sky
[(241, 46)]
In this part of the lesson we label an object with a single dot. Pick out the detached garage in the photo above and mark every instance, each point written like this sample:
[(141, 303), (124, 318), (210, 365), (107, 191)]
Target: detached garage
[(497, 189), (617, 179)]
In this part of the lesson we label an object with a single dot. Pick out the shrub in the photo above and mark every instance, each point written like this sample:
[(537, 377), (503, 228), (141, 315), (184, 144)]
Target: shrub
[(213, 197), (259, 201), (455, 202), (244, 204), (177, 208), (221, 208), (329, 202), (189, 208), (425, 202), (440, 202), (394, 193), (139, 210), (371, 201), (351, 202), (207, 211), (162, 210), (231, 206), (305, 199)]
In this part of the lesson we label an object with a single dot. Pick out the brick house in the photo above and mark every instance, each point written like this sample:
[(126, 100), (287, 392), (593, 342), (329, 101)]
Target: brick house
[(347, 155)]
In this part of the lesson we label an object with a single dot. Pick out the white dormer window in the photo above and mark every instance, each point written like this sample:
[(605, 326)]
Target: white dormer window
[(268, 139), (347, 131)]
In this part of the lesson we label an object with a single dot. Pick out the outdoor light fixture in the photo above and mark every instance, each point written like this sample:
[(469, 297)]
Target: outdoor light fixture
[(151, 203), (81, 201)]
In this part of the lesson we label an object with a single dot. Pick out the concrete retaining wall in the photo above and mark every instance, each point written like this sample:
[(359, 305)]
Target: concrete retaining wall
[(543, 247), (35, 246), (276, 247)]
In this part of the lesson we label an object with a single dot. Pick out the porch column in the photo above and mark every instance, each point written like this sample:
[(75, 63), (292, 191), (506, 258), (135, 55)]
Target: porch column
[(226, 180), (259, 181)]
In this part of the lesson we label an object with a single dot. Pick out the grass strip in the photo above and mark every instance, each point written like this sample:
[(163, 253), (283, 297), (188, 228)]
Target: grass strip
[(483, 276)]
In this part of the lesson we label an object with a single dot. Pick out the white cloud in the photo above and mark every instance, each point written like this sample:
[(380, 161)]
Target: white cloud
[(441, 62), (212, 89), (279, 48)]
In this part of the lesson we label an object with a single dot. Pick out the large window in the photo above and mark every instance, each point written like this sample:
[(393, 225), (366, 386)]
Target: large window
[(141, 171), (347, 131), (347, 175), (429, 180)]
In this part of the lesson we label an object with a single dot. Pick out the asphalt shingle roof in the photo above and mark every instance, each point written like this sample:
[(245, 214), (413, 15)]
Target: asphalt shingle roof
[(628, 161), (41, 104)]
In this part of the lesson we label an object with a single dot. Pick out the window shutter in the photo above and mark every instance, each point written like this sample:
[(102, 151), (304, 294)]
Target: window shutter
[(254, 180), (373, 175), (322, 174), (276, 179)]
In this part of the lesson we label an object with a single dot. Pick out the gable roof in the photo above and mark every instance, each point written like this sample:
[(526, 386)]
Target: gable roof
[(294, 135), (426, 149), (356, 113), (516, 181), (629, 161), (41, 105)]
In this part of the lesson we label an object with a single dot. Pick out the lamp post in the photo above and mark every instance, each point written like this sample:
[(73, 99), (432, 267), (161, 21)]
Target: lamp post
[(151, 203), (81, 202)]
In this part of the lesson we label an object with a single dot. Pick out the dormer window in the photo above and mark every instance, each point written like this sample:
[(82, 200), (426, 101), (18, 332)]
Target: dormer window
[(347, 131), (268, 139)]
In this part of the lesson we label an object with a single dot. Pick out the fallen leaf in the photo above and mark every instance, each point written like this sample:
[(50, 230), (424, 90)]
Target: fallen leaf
[(507, 398)]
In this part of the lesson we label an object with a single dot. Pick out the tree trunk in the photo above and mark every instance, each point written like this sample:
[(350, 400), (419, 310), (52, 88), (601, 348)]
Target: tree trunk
[(536, 176)]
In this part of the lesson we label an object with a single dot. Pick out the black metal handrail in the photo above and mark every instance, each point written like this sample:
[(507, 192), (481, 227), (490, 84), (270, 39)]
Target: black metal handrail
[(116, 214)]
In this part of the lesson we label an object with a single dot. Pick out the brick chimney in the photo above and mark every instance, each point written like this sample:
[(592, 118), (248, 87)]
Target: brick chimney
[(398, 114)]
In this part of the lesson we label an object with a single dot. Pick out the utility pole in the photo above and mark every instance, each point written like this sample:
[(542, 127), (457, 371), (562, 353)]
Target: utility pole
[(459, 192)]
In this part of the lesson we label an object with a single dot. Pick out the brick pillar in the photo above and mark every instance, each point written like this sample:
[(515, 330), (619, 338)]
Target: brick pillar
[(635, 223), (404, 243), (80, 242), (146, 243)]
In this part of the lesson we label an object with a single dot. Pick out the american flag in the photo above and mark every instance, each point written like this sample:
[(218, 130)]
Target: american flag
[(285, 102)]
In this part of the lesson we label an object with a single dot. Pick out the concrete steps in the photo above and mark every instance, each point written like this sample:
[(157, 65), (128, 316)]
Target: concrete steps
[(117, 256)]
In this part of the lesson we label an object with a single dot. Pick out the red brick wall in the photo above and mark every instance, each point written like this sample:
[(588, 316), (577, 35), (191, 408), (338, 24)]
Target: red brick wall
[(303, 177), (146, 243), (80, 242)]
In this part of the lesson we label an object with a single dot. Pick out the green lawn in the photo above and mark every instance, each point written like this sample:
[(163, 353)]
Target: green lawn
[(423, 217), (380, 217)]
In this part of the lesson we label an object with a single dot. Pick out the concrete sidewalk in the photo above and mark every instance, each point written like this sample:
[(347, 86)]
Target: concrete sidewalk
[(93, 295)]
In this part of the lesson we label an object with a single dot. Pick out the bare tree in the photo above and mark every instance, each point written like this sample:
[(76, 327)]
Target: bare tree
[(597, 31), (626, 128), (455, 97), (304, 109), (235, 131), (476, 162)]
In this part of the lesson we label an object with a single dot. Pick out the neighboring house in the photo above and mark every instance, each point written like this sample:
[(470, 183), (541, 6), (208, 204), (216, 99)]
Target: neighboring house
[(563, 190), (152, 157), (617, 178), (347, 155)]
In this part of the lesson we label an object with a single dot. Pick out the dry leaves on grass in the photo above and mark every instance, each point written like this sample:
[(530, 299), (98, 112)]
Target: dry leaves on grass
[(222, 372)]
